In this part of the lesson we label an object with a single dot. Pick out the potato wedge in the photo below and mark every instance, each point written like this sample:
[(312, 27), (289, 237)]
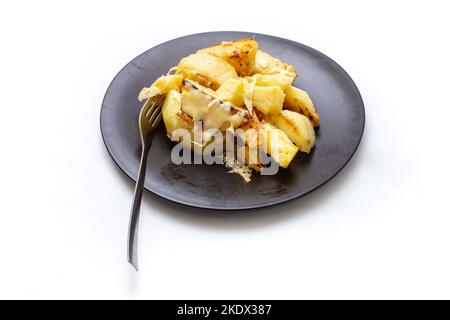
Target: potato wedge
[(173, 117), (277, 144), (297, 127), (268, 80), (206, 69), (268, 100), (299, 101), (232, 91), (266, 64), (240, 54), (162, 85)]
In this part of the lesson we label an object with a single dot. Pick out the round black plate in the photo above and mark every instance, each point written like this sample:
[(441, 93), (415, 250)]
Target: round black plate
[(211, 187)]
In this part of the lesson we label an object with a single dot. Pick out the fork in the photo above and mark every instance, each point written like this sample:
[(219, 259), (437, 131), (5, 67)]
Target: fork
[(149, 118)]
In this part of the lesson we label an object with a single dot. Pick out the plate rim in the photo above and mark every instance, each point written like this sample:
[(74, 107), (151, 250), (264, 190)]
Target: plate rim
[(244, 208)]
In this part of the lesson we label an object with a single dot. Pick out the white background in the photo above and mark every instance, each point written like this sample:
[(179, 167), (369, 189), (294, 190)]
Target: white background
[(380, 229)]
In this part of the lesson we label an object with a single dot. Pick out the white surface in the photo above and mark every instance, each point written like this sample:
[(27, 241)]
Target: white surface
[(378, 230)]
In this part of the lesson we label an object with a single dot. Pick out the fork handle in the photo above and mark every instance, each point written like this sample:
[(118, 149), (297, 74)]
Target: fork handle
[(135, 209)]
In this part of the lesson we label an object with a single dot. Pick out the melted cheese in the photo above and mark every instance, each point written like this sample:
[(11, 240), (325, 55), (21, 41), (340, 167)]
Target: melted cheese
[(202, 105)]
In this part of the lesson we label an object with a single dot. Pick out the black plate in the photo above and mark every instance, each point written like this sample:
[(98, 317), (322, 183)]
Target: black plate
[(335, 94)]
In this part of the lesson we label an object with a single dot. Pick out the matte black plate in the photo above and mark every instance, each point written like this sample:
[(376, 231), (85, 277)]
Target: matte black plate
[(335, 94)]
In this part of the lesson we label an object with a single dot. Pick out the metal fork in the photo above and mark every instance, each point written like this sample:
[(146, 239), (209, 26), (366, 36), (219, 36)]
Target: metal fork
[(149, 118)]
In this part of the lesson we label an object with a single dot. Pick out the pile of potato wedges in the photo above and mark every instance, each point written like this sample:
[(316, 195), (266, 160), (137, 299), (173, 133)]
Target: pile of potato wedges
[(253, 86)]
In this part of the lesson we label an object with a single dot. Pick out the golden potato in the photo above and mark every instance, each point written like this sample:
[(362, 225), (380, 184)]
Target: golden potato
[(240, 54), (297, 127), (266, 64), (232, 91), (206, 69), (299, 101), (162, 85), (267, 80), (277, 144), (268, 100), (173, 117)]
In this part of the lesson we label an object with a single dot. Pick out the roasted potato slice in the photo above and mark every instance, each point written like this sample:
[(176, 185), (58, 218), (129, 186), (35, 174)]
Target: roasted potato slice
[(277, 144), (297, 127), (240, 54), (232, 91), (268, 100), (173, 117), (162, 85), (299, 101), (266, 64), (206, 69)]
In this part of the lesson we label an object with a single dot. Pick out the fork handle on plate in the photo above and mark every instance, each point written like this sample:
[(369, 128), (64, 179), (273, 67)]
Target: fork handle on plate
[(134, 218)]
